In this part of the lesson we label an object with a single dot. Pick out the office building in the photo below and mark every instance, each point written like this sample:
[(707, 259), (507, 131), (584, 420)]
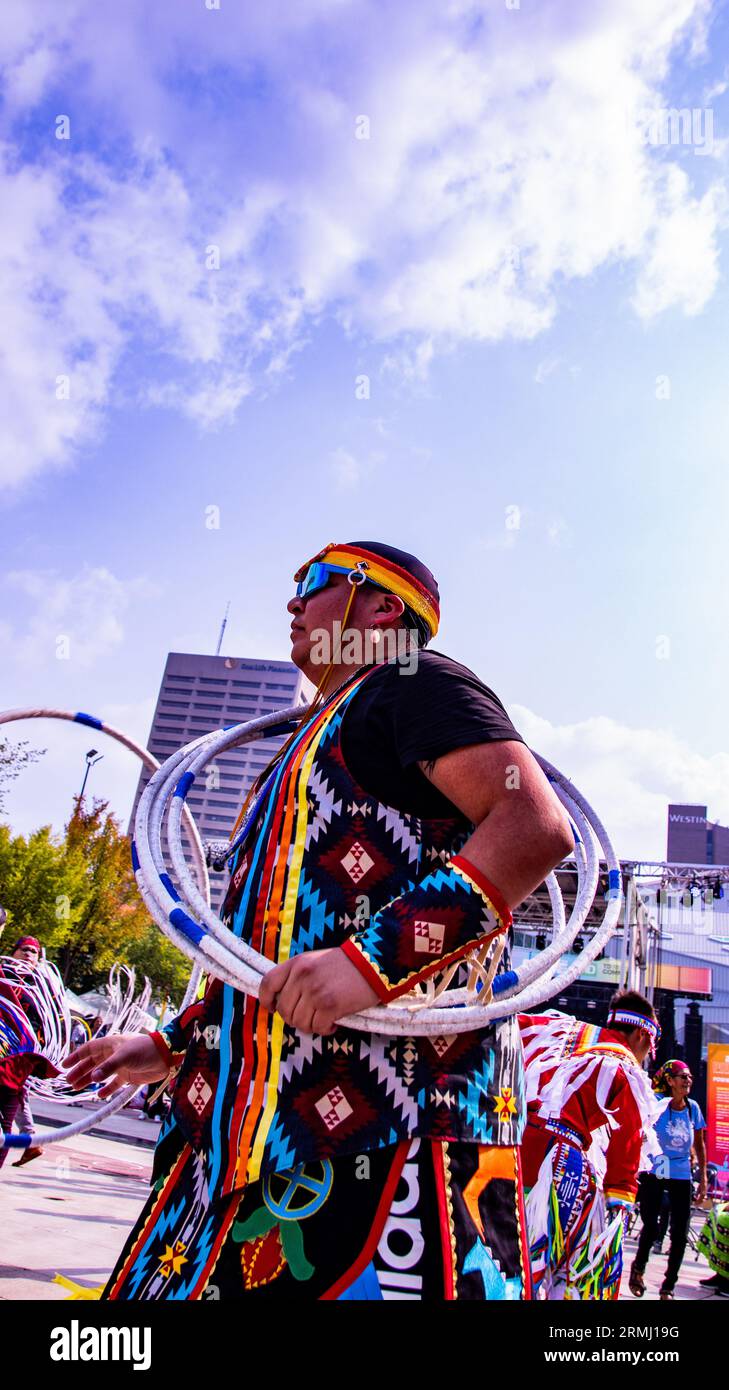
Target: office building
[(693, 839), (201, 693)]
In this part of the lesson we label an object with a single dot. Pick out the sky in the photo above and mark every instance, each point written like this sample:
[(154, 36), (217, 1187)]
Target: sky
[(449, 274)]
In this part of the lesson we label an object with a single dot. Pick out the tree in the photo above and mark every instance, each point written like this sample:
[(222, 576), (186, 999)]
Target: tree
[(107, 920), (33, 881), (79, 897), (13, 758)]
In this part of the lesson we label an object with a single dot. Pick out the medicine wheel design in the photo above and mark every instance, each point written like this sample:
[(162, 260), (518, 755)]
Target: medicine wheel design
[(292, 1194)]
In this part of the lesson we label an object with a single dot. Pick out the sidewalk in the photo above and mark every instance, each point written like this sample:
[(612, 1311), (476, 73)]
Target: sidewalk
[(69, 1212), (129, 1125), (692, 1270)]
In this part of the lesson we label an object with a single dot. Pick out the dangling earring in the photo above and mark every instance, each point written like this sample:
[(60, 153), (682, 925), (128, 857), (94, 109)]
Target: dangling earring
[(376, 635)]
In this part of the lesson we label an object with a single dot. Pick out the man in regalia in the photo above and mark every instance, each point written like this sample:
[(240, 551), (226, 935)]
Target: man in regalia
[(390, 839)]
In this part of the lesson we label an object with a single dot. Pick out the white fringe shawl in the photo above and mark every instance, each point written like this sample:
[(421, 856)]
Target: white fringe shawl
[(544, 1047)]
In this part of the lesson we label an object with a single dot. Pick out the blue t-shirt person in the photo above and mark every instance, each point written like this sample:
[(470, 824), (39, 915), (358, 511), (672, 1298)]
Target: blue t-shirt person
[(675, 1130)]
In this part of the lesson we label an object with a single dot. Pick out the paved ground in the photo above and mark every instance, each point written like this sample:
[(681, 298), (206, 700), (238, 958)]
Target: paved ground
[(692, 1270), (128, 1124), (68, 1213)]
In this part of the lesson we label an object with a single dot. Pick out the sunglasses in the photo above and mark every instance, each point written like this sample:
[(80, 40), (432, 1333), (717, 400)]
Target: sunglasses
[(317, 577)]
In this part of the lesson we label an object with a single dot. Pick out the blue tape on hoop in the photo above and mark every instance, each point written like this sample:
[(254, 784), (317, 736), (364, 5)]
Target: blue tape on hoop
[(89, 719), (185, 924), (169, 885), (17, 1141), (184, 784), (135, 856), (504, 981), (614, 884)]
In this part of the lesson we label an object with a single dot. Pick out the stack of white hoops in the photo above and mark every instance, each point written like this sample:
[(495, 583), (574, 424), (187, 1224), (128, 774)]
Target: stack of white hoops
[(186, 918)]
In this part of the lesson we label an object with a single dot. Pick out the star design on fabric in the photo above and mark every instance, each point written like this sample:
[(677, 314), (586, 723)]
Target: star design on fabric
[(173, 1259), (505, 1104)]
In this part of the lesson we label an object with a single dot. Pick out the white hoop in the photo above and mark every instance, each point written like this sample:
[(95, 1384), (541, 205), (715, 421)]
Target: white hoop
[(193, 927), (118, 1101)]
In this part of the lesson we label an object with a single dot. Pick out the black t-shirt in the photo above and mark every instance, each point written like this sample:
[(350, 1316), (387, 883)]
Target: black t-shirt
[(397, 720)]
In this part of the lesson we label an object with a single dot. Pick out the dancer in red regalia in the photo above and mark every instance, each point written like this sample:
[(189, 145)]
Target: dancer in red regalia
[(20, 1048), (590, 1124)]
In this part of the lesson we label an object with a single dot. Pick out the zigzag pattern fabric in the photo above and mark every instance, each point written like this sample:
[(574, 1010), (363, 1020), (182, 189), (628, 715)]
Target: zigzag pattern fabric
[(321, 861), (445, 916)]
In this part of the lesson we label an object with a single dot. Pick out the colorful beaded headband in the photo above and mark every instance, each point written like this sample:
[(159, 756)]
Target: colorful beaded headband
[(385, 573), (649, 1025)]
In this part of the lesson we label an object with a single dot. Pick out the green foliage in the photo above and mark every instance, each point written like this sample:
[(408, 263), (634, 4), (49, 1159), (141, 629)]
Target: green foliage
[(78, 896), (33, 878)]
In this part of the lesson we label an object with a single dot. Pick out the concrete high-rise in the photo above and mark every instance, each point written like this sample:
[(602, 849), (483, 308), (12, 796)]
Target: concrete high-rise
[(202, 693)]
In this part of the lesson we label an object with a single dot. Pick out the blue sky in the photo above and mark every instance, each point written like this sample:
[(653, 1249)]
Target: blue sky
[(535, 291)]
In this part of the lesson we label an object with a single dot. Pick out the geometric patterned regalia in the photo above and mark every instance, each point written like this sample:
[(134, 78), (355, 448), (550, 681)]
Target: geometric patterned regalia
[(267, 1120)]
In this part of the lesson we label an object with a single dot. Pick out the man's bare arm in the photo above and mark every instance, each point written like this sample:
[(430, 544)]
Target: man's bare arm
[(522, 830)]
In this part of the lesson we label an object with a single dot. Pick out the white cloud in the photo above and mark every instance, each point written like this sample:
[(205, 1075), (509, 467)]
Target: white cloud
[(681, 267), (545, 369), (629, 775), (78, 619), (345, 468), (717, 89), (504, 158)]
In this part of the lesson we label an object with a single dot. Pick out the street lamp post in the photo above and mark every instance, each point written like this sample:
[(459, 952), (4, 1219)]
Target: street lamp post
[(93, 756)]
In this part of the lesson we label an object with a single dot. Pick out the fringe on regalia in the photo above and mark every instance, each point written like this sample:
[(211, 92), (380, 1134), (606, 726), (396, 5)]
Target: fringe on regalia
[(594, 1265), (575, 1240)]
